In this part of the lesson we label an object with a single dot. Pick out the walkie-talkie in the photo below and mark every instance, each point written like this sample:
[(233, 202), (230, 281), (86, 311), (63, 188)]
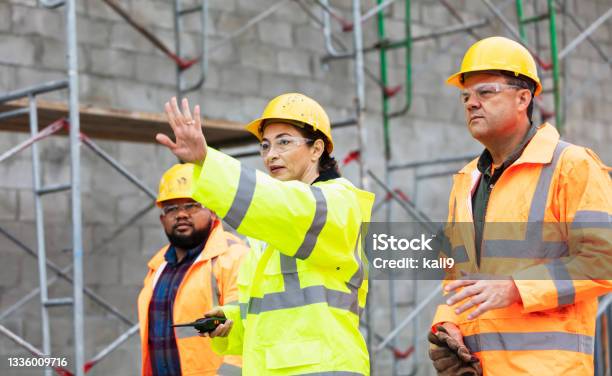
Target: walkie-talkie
[(204, 325)]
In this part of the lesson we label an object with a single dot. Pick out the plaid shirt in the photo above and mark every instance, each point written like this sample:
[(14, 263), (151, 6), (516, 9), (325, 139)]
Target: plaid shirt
[(163, 351)]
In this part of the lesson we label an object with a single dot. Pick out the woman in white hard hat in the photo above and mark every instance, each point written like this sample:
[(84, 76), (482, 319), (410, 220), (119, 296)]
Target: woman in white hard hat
[(302, 286)]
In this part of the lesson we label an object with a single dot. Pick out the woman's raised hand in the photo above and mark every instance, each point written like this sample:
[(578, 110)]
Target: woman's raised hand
[(190, 144)]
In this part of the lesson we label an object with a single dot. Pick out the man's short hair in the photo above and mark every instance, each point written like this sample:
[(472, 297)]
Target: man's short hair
[(525, 83)]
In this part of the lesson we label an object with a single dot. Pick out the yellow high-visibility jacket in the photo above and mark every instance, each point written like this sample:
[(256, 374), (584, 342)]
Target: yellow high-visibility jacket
[(300, 296), (547, 225), (211, 280)]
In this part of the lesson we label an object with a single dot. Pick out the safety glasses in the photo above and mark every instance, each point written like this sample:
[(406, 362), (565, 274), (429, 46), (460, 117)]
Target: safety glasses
[(282, 144), (189, 208), (485, 90)]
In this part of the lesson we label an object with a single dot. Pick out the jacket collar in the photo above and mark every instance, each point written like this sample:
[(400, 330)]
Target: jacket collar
[(539, 150), (215, 245), (542, 146)]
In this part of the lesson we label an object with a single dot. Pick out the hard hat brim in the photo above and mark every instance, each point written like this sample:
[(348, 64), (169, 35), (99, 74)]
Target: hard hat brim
[(254, 127)]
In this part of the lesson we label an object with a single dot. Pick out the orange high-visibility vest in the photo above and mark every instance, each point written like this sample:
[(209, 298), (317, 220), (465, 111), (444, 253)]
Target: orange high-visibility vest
[(548, 226), (196, 295)]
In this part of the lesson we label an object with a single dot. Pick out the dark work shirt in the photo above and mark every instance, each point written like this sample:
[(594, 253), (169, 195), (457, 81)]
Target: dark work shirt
[(163, 351), (480, 199)]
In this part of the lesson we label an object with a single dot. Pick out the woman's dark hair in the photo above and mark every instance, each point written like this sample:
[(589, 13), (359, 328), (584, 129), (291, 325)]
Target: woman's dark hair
[(326, 161)]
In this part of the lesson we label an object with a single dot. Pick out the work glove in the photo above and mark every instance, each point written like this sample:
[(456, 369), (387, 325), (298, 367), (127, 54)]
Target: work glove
[(451, 358)]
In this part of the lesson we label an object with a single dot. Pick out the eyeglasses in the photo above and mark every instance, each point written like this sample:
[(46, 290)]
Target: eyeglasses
[(485, 90), (282, 144), (189, 208)]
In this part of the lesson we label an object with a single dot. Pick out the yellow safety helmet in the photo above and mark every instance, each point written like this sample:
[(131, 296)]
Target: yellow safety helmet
[(296, 109), (176, 183), (497, 53)]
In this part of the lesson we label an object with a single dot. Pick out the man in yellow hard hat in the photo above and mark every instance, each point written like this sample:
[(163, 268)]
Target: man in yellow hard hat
[(533, 216), (197, 271)]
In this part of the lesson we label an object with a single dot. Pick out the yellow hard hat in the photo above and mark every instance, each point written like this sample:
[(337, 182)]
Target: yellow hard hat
[(176, 183), (497, 53), (297, 109)]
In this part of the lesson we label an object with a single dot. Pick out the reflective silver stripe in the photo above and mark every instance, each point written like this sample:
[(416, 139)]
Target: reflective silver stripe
[(592, 219), (445, 244), (290, 273), (243, 197), (535, 249), (214, 286), (566, 294), (229, 370), (302, 297), (320, 217), (459, 254), (357, 279), (540, 196), (185, 332), (243, 310), (530, 341), (533, 246)]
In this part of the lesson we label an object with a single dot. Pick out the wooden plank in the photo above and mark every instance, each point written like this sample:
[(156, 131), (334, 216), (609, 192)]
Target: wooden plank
[(121, 125)]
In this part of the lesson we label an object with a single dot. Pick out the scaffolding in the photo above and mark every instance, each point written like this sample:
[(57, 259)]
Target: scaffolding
[(22, 108)]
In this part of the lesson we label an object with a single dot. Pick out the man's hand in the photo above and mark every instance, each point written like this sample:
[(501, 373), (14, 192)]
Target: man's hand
[(486, 294), (190, 144), (448, 335), (449, 355), (222, 330)]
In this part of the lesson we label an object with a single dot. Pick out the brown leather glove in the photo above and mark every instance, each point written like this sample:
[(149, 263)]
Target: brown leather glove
[(462, 352), (450, 358)]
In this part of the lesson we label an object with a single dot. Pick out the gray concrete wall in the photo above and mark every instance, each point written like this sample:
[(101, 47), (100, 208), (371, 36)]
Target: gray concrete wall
[(120, 69)]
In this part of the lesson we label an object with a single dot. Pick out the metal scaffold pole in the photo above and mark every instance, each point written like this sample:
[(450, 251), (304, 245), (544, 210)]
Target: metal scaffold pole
[(40, 234), (75, 181), (361, 128)]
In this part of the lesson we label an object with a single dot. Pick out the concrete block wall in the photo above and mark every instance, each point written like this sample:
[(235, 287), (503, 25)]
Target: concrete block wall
[(120, 69)]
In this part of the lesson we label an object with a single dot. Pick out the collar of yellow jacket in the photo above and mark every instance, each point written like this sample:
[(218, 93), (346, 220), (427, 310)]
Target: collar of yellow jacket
[(539, 150), (215, 245)]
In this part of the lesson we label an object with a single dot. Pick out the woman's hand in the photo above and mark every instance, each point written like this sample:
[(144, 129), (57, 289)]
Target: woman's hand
[(222, 330), (190, 144)]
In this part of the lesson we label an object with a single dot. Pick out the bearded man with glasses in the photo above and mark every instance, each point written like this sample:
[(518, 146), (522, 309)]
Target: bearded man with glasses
[(530, 231), (197, 271)]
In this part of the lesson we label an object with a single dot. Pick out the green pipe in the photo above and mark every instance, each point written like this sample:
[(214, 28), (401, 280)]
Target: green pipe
[(384, 81), (519, 18), (407, 43), (555, 64), (408, 58)]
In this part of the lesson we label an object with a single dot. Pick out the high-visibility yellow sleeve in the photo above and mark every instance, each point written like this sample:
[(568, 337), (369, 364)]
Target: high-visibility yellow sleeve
[(318, 223), (232, 344)]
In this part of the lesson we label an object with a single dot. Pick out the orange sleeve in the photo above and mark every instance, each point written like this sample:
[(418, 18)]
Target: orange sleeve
[(582, 202)]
